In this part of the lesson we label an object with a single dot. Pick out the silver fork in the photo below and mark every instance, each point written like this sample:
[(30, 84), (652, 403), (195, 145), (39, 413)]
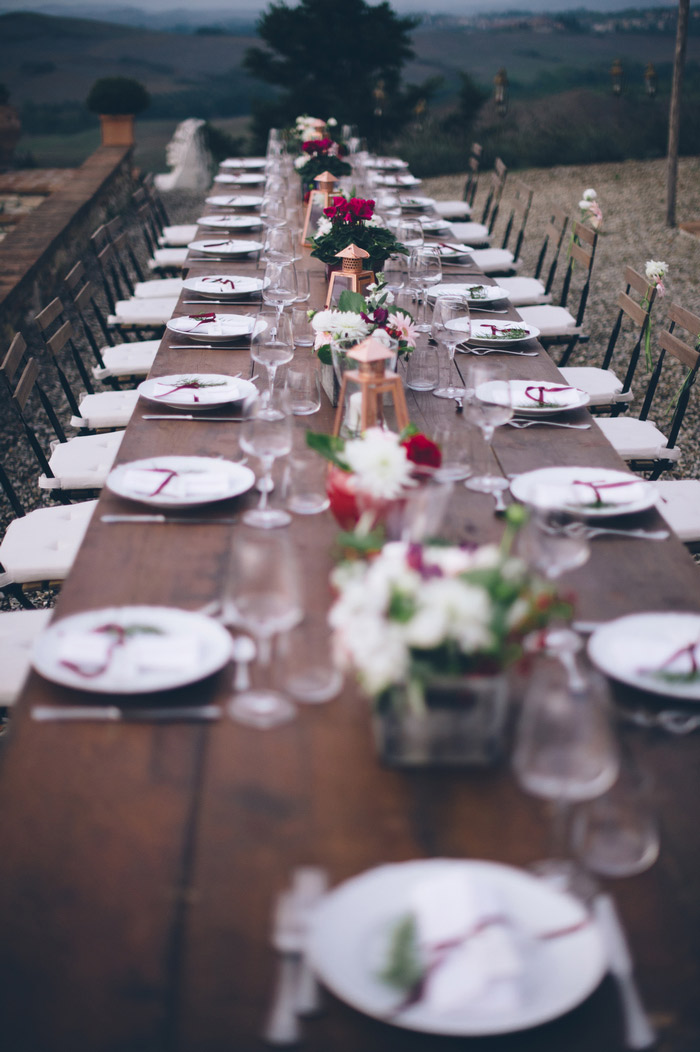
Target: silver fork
[(282, 1023), (496, 350), (547, 423), (599, 531)]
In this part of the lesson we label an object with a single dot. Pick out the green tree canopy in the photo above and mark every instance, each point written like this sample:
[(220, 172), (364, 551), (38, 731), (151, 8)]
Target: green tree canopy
[(331, 59)]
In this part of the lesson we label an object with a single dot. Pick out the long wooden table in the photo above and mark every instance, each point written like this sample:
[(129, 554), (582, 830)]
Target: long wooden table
[(139, 863)]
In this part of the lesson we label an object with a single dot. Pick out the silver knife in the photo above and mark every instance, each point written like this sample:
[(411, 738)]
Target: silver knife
[(178, 520), (210, 346), (639, 1032), (191, 416), (228, 303), (114, 714)]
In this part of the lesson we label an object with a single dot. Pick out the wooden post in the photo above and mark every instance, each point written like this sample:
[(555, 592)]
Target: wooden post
[(674, 117)]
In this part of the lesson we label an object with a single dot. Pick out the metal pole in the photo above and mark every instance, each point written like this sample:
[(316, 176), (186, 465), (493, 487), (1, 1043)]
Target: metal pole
[(674, 117)]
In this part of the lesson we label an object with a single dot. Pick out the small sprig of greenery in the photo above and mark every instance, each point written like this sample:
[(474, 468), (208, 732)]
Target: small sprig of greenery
[(403, 968)]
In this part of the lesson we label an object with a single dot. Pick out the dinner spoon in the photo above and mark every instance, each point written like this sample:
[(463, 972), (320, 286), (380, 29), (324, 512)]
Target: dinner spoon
[(547, 423)]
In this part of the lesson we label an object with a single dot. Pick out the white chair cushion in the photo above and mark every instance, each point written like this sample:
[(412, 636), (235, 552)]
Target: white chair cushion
[(145, 312), (127, 359), (601, 384), (83, 462), (637, 439), (159, 287), (550, 320), (18, 630), (42, 545), (168, 259), (452, 209), (106, 410), (493, 260), (471, 233), (680, 506), (524, 292), (176, 236)]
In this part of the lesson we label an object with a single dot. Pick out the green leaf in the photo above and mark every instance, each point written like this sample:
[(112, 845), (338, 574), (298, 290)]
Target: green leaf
[(331, 447), (352, 301), (403, 968), (325, 354), (402, 607)]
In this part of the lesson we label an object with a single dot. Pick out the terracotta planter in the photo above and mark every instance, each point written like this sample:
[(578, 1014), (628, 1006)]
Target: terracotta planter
[(117, 129)]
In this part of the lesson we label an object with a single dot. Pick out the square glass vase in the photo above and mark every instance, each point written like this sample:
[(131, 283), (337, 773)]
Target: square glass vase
[(462, 723)]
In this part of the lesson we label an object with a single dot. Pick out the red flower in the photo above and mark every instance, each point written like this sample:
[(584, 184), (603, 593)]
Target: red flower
[(420, 450), (319, 146)]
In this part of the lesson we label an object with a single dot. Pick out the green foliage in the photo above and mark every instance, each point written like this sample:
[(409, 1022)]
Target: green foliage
[(345, 58), (117, 95), (220, 144), (330, 447), (403, 968)]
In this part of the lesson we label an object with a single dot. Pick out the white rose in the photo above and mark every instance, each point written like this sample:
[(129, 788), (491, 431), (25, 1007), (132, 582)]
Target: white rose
[(589, 195), (324, 226)]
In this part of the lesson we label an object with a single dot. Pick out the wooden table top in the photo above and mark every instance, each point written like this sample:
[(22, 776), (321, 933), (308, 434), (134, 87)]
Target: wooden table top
[(139, 863)]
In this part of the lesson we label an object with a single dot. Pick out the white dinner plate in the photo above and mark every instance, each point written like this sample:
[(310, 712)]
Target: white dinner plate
[(163, 648), (545, 397), (433, 224), (230, 222), (386, 164), (396, 180), (454, 250), (351, 926), (180, 481), (234, 201), (633, 649), (245, 179), (495, 333), (196, 390), (620, 492), (416, 204), (471, 293), (225, 247), (212, 327), (224, 286), (244, 162)]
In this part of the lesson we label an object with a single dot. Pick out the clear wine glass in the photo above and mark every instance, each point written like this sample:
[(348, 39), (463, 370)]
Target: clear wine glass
[(272, 345), (266, 437), (409, 232), (553, 540), (278, 246), (449, 309), (424, 271), (564, 752), (262, 594), (280, 287), (488, 404)]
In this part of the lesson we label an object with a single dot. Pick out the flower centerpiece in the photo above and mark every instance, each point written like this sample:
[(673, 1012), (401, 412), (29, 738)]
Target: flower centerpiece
[(375, 469), (349, 221), (430, 631), (320, 151), (357, 317)]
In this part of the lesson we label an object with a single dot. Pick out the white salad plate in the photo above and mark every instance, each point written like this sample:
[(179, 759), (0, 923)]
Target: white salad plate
[(495, 333), (180, 481), (245, 179), (226, 247), (196, 390), (244, 162), (234, 201), (230, 222), (131, 649), (212, 328), (224, 286), (656, 652), (562, 953), (416, 204), (572, 488), (386, 164), (545, 397), (471, 293)]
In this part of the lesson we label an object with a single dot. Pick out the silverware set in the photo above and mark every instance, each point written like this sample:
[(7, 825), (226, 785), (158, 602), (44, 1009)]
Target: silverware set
[(296, 991)]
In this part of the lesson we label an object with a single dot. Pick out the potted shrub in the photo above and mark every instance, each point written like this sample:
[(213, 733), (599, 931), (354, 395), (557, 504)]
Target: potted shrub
[(117, 100)]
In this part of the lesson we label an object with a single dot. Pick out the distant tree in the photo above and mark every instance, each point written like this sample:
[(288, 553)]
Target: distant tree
[(331, 59)]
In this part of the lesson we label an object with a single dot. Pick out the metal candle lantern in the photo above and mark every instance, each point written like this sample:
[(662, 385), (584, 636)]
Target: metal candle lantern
[(319, 199), (374, 381), (352, 275)]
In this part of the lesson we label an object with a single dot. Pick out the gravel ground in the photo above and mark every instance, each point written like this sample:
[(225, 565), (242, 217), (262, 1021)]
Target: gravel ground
[(632, 198)]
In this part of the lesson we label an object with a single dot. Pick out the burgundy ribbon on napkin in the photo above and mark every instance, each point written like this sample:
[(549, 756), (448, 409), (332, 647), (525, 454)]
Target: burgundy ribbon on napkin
[(202, 319), (542, 392), (221, 281), (119, 633), (196, 385), (598, 486), (217, 244)]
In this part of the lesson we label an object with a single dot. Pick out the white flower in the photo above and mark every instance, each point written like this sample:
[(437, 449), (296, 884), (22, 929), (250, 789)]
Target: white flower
[(301, 161), (324, 226), (655, 270), (449, 608), (340, 325), (589, 195), (332, 122), (380, 464)]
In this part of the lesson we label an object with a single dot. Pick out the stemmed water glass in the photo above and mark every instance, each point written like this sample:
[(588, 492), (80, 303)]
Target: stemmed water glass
[(267, 437), (488, 405), (272, 345), (553, 540), (564, 751), (262, 594), (424, 271), (278, 246), (280, 288), (447, 310)]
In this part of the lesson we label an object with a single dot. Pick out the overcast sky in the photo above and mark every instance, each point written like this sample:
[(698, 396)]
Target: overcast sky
[(230, 7)]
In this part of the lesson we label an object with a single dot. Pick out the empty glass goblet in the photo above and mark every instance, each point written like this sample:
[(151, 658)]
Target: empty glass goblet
[(424, 271), (446, 310), (488, 404), (271, 345), (266, 437), (280, 288), (553, 540)]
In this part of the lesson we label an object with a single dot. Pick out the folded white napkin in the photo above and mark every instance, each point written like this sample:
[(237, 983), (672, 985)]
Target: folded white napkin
[(167, 653), (548, 393), (88, 651), (145, 482), (589, 491), (467, 942), (192, 395)]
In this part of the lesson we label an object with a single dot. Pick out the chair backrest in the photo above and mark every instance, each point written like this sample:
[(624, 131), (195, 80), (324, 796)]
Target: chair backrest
[(86, 306), (638, 311), (111, 282), (57, 333), (685, 351), (155, 200), (493, 198), (20, 393), (473, 166), (518, 215), (550, 252), (581, 255)]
